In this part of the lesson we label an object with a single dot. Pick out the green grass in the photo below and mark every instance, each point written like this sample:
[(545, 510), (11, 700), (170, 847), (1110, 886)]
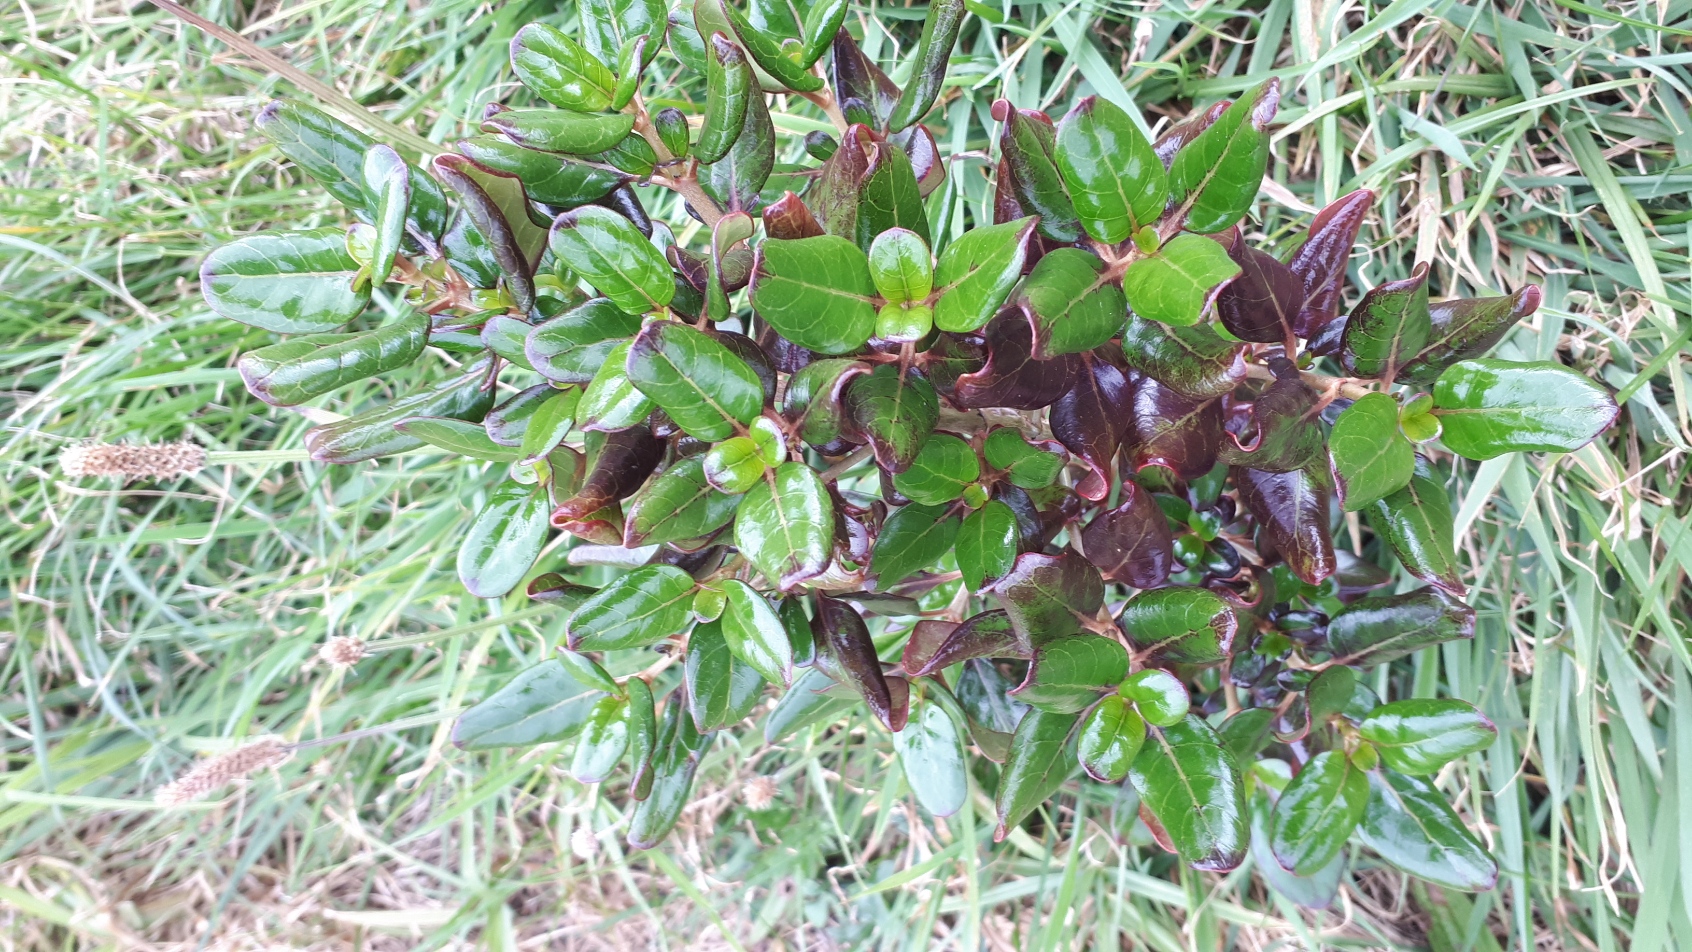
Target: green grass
[(1548, 141)]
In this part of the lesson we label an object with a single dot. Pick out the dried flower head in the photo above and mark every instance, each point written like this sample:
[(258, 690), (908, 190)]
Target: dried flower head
[(583, 843), (758, 793), (342, 651), (222, 770), (133, 461)]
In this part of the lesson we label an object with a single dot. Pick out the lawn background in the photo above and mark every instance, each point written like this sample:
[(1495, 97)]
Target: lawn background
[(145, 625)]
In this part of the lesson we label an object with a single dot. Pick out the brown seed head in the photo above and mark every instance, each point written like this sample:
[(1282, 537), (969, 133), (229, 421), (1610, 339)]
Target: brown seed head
[(220, 771), (342, 651), (133, 461)]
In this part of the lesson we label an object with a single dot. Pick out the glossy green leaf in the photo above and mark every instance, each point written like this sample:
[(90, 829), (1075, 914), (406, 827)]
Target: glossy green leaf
[(913, 538), (550, 130), (1417, 524), (1159, 696), (611, 400), (633, 611), (1073, 303), (604, 740), (1041, 759), (547, 178), (560, 70), (328, 149), (606, 249), (704, 387), (781, 55), (1330, 693), (1247, 732), (1317, 813), (733, 466), (735, 180), (677, 504), (1191, 785), (976, 273), (577, 344), (301, 368), (1070, 673), (1387, 327), (1194, 361), (755, 633), (1410, 825), (1467, 328), (931, 752), (1371, 458), (541, 705), (1420, 735), (728, 87), (896, 410), (587, 671), (503, 542), (1215, 175), (1110, 738), (1181, 624), (785, 525), (816, 292), (505, 336), (1029, 175), (1179, 283), (1316, 891), (673, 765), (1384, 628), (549, 424), (929, 63), (721, 688), (942, 468), (296, 282), (901, 266), (1028, 466), (1116, 181), (643, 737), (889, 196), (372, 434), (1487, 408), (814, 401), (986, 544), (387, 178), (609, 25), (822, 21), (456, 436)]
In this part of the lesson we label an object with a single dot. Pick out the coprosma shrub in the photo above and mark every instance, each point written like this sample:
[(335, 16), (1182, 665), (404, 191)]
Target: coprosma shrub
[(1080, 463)]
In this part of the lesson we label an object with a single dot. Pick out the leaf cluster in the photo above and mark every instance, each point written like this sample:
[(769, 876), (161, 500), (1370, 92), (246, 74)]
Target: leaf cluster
[(1057, 487)]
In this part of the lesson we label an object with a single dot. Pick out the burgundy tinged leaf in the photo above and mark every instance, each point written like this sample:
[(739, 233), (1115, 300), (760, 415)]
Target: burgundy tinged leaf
[(1320, 262), (1292, 511), (847, 654), (1187, 130), (1090, 419), (1169, 430), (1012, 378), (924, 153), (789, 218), (1044, 596), (1262, 304), (623, 463), (940, 645), (1286, 431), (855, 76), (834, 194), (1131, 544)]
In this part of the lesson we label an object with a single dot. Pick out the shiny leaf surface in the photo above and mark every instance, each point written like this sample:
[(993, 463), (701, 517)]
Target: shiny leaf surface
[(785, 526), (297, 282), (1317, 813), (541, 705), (1180, 624), (816, 292), (1384, 628), (1191, 785), (633, 611), (1114, 178), (1488, 407), (1410, 825), (1371, 458), (1420, 735)]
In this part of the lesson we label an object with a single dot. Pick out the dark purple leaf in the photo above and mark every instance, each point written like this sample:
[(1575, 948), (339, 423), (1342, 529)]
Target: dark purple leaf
[(1320, 262), (847, 653), (1012, 377), (1131, 544), (1089, 421), (938, 647), (1285, 430), (623, 463), (854, 76), (1292, 512), (1263, 303), (833, 195), (1169, 430), (951, 357)]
